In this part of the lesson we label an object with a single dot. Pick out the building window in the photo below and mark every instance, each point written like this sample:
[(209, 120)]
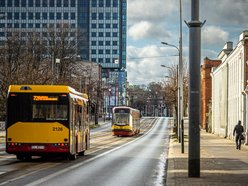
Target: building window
[(44, 25), (44, 15), (115, 52), (44, 3), (115, 43), (23, 25), (108, 60), (51, 3), (73, 16), (115, 3), (115, 15), (2, 34), (23, 3), (115, 25), (9, 3), (17, 4), (93, 34), (16, 15), (115, 34), (73, 4), (108, 34), (101, 16), (93, 43), (59, 15), (94, 3), (93, 25), (100, 43), (37, 15), (9, 15), (101, 3), (9, 25), (37, 3), (100, 34), (30, 3), (23, 15), (108, 15), (51, 15), (108, 3), (100, 52), (93, 16), (66, 3), (101, 25), (30, 25), (93, 51), (108, 25), (2, 25), (66, 15), (59, 4), (30, 15), (107, 51), (37, 25), (107, 43), (2, 3)]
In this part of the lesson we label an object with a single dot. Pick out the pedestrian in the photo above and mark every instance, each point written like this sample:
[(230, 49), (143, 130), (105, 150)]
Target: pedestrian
[(238, 130)]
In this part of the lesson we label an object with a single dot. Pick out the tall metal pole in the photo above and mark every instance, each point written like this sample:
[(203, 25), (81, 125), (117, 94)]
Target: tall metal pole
[(179, 88), (194, 90), (181, 83)]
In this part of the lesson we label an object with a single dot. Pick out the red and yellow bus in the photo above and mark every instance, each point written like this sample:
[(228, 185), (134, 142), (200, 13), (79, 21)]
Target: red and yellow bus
[(125, 121), (46, 120)]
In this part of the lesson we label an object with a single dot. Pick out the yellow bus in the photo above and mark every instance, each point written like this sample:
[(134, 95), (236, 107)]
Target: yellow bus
[(125, 121), (46, 120)]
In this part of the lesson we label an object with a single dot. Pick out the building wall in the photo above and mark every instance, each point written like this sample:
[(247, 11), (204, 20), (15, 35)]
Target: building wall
[(229, 81), (206, 89), (219, 109)]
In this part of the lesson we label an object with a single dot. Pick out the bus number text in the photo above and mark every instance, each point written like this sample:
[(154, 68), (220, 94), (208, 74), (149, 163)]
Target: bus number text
[(58, 129)]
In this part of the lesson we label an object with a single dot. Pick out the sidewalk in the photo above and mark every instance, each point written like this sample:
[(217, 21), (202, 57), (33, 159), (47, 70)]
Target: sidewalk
[(221, 163)]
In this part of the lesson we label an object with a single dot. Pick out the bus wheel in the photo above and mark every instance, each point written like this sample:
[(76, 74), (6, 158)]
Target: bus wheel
[(72, 156), (81, 153), (20, 157)]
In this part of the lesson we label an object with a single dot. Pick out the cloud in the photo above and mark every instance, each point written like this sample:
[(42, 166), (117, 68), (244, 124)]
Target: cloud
[(154, 11), (147, 30), (144, 63), (214, 36)]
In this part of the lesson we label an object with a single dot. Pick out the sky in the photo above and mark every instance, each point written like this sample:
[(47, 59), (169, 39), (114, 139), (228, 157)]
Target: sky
[(149, 22)]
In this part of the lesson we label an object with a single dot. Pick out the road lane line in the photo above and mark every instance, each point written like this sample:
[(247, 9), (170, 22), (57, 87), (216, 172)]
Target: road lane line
[(44, 179)]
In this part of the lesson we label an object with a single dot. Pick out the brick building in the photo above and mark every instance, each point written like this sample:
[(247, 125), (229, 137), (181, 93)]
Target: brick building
[(206, 89)]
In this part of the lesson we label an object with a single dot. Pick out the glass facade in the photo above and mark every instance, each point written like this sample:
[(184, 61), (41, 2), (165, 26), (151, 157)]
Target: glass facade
[(101, 25)]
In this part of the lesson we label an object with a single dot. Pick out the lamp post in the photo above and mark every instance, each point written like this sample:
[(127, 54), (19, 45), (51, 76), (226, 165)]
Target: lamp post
[(180, 95), (109, 103)]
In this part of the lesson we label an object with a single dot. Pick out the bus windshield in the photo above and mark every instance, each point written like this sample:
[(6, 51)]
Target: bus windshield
[(32, 107), (121, 118)]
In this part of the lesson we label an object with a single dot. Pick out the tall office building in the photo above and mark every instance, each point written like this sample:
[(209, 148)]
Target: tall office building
[(101, 25)]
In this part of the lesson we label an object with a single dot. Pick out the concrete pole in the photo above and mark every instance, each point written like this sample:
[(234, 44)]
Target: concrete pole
[(181, 82), (194, 90)]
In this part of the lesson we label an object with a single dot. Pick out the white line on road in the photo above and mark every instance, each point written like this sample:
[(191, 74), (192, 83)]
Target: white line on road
[(44, 179)]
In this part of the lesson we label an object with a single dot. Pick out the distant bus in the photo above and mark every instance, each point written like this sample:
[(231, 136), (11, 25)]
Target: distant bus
[(125, 121), (46, 120)]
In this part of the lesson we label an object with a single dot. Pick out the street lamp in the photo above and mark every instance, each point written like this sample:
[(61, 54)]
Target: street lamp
[(109, 103), (180, 93)]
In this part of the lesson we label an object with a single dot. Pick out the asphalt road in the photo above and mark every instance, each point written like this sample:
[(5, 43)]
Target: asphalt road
[(137, 163)]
